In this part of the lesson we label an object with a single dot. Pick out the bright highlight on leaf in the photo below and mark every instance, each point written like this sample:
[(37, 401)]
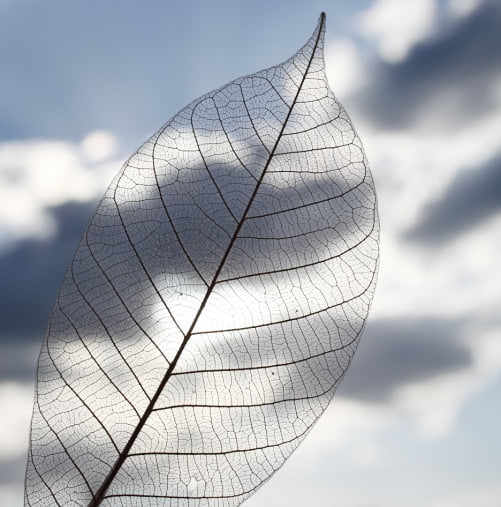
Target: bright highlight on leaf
[(214, 302)]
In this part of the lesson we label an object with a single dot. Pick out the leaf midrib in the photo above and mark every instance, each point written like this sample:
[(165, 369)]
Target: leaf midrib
[(100, 494)]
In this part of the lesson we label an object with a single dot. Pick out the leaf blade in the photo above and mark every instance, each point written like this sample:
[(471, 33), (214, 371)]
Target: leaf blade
[(191, 208)]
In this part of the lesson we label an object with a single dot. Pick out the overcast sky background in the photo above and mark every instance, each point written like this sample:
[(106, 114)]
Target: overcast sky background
[(416, 420)]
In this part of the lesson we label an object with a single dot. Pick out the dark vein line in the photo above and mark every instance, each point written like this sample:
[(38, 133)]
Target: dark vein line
[(117, 293), (270, 366), (274, 88), (251, 120), (144, 495), (66, 452), (315, 173), (169, 218), (308, 264), (291, 318), (118, 464), (216, 453), (314, 127), (292, 236), (230, 143), (155, 288), (206, 165), (42, 478), (246, 405), (94, 415), (106, 331), (314, 203), (94, 359), (297, 268), (211, 219), (315, 149)]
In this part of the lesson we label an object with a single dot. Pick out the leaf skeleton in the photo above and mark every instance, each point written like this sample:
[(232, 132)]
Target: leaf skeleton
[(214, 302)]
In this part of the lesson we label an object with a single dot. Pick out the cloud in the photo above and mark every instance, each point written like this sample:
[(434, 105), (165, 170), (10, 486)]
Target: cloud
[(446, 80), (371, 441), (347, 67), (472, 197), (16, 400), (18, 360), (99, 146), (32, 269), (458, 9), (487, 496), (37, 174), (396, 26), (434, 403), (427, 405), (424, 120), (402, 351), (11, 493)]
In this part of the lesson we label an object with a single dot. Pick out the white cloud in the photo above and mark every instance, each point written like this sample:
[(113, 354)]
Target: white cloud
[(369, 436), (36, 174), (396, 26), (429, 407), (435, 403), (11, 494), (99, 146), (412, 168), (346, 418), (16, 400), (346, 67), (487, 496)]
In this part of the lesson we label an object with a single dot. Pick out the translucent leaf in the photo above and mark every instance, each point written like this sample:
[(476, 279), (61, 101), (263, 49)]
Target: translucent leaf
[(214, 303)]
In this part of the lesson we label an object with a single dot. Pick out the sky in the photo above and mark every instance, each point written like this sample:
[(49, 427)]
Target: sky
[(416, 419)]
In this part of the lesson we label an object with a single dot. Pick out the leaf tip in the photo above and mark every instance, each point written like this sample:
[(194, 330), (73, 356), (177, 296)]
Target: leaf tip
[(321, 24), (321, 20)]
